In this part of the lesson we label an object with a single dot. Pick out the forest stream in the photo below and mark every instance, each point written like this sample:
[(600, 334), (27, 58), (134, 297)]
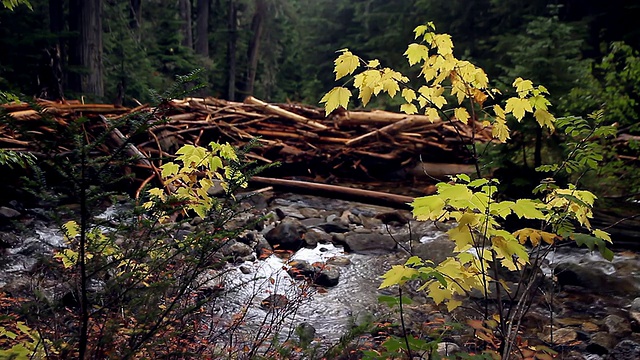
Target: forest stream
[(591, 288)]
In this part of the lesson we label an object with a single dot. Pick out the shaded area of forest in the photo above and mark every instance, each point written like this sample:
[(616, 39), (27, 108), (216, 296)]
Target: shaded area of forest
[(283, 49)]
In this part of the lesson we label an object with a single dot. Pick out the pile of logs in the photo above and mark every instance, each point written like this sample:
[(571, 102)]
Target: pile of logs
[(373, 143), (361, 145)]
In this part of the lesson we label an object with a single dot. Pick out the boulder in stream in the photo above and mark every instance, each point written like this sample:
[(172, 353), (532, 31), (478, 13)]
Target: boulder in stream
[(369, 243), (288, 235)]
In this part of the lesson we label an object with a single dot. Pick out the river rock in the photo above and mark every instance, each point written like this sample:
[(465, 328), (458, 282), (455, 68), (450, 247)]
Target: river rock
[(562, 336), (595, 279), (436, 250), (262, 247), (288, 235), (338, 261), (393, 218), (309, 213), (306, 332), (328, 277), (601, 343), (216, 189), (274, 301), (238, 249), (335, 226), (617, 325), (369, 243), (447, 348), (301, 269), (315, 236), (626, 350), (9, 240), (8, 213)]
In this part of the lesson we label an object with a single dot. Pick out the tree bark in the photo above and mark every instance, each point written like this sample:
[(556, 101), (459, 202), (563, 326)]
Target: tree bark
[(185, 16), (232, 25), (254, 45), (135, 14), (56, 54), (202, 28), (85, 19)]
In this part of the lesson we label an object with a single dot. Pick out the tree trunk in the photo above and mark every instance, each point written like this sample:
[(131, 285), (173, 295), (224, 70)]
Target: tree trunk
[(232, 25), (202, 28), (56, 16), (254, 45), (135, 14), (537, 154), (85, 55), (185, 16), (56, 54)]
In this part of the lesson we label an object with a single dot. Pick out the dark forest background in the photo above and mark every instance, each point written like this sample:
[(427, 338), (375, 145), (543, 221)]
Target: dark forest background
[(282, 50)]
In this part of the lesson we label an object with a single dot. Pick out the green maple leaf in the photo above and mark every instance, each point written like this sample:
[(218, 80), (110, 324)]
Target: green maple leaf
[(338, 96), (528, 209)]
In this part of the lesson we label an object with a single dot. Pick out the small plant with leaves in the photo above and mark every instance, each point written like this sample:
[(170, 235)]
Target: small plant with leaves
[(483, 246)]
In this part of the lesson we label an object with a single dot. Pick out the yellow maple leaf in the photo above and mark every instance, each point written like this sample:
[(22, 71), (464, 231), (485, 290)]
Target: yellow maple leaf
[(420, 30), (416, 53), (444, 44), (518, 107), (432, 113), (365, 95), (408, 108), (397, 275), (500, 130), (346, 64), (373, 63), (544, 118), (462, 115), (338, 96), (523, 87), (409, 95)]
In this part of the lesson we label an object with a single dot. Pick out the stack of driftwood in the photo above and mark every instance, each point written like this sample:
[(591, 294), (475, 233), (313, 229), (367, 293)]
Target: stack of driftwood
[(364, 144)]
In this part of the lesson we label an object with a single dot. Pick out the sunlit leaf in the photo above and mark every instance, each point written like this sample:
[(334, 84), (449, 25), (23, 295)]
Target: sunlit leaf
[(338, 96), (346, 64)]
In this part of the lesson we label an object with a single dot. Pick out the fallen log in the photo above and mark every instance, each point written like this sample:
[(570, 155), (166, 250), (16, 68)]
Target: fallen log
[(284, 113), (387, 130), (379, 117), (368, 196)]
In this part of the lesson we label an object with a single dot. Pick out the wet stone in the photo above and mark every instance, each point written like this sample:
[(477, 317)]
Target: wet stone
[(288, 235), (328, 277), (626, 350), (562, 336), (8, 213), (601, 343), (335, 226), (617, 325), (369, 243), (309, 213), (339, 261), (275, 301), (447, 348), (312, 222)]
